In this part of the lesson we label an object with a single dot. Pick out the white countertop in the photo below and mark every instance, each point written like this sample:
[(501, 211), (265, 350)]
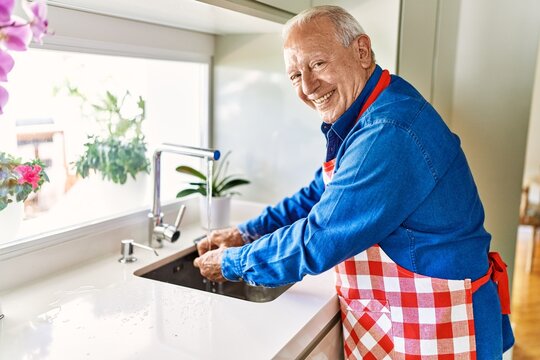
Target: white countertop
[(100, 310)]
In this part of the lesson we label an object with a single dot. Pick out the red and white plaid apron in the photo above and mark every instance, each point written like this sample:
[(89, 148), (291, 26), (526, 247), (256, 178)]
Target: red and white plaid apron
[(389, 312)]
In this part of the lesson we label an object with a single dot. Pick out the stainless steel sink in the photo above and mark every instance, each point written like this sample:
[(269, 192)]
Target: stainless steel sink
[(178, 269)]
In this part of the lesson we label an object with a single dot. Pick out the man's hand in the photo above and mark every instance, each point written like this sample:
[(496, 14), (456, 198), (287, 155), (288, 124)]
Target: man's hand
[(223, 238), (210, 265)]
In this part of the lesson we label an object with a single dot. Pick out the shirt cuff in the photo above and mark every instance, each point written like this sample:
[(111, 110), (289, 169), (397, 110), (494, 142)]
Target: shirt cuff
[(249, 232), (230, 264)]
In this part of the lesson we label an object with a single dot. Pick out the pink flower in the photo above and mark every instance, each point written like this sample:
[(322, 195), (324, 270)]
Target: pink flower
[(29, 175), (6, 64), (4, 97), (37, 12), (16, 36), (6, 8)]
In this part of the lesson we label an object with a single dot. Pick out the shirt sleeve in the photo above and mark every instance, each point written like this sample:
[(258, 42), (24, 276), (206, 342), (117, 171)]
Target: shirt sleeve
[(382, 177), (285, 212)]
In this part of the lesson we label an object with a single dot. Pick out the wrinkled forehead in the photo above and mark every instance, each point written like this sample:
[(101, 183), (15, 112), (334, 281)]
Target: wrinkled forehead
[(315, 30), (309, 41)]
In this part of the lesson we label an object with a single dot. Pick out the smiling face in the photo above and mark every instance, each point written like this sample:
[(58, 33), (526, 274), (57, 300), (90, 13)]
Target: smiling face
[(327, 76)]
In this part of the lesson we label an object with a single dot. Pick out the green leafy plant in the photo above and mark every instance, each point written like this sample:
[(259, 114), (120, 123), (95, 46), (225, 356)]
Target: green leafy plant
[(222, 184), (121, 148), (114, 159), (18, 179)]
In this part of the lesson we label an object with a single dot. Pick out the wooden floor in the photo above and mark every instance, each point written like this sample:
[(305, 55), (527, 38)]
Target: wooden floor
[(526, 298)]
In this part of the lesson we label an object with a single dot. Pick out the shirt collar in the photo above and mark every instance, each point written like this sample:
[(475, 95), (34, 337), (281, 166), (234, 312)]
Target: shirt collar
[(346, 121)]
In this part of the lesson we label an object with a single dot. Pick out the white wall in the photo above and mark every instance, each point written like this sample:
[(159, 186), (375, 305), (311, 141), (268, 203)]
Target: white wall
[(444, 57), (427, 49), (275, 138), (417, 44), (532, 159), (494, 73)]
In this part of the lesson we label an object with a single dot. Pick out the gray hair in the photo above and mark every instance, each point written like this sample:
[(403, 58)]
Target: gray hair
[(347, 27)]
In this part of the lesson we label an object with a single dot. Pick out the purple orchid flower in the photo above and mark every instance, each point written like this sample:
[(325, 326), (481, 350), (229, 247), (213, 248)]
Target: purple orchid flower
[(4, 97), (37, 12), (16, 36), (6, 64), (6, 9)]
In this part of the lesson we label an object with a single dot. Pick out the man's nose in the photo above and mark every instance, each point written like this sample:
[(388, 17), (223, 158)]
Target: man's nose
[(310, 83)]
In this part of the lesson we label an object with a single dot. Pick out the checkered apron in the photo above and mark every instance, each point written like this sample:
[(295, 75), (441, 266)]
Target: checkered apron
[(389, 312)]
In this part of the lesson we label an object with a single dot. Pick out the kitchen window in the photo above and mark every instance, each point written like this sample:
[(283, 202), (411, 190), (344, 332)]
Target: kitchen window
[(46, 118)]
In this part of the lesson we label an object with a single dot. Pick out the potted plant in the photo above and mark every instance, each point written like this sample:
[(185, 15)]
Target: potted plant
[(18, 180), (223, 186), (120, 149)]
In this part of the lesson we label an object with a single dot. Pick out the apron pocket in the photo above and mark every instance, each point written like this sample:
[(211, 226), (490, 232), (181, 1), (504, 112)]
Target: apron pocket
[(367, 328)]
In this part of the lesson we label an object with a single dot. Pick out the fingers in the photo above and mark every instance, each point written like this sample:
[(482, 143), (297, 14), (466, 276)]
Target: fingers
[(210, 265), (229, 237), (208, 243), (202, 246)]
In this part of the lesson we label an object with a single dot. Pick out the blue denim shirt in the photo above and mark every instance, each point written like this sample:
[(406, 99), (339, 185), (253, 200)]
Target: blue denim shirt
[(401, 180)]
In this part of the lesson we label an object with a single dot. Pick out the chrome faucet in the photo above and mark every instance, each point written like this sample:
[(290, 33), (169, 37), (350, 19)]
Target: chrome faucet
[(158, 231)]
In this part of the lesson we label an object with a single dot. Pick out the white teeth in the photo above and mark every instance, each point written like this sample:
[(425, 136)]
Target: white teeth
[(323, 98)]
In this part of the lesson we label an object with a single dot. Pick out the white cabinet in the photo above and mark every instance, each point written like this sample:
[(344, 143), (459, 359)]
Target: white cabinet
[(331, 345), (287, 5), (208, 16)]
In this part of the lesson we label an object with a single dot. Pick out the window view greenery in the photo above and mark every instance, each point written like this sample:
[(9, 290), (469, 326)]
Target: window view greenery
[(120, 149), (93, 121)]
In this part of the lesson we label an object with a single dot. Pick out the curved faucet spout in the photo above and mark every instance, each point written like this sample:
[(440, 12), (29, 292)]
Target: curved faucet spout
[(157, 230)]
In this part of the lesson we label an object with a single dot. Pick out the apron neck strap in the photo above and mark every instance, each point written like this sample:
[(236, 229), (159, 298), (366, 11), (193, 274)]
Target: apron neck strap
[(382, 84)]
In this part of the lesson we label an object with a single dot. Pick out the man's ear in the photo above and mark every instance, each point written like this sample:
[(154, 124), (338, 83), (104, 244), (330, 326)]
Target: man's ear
[(363, 44)]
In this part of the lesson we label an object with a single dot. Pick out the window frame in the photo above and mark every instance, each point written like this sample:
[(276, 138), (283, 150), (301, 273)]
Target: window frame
[(63, 41)]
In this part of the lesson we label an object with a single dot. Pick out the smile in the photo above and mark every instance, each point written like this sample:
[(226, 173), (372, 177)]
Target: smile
[(323, 98)]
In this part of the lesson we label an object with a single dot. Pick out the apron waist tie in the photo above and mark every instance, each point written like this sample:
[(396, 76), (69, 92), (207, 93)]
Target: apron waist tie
[(497, 272)]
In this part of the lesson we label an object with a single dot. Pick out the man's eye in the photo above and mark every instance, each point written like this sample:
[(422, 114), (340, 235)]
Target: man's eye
[(318, 64), (294, 77)]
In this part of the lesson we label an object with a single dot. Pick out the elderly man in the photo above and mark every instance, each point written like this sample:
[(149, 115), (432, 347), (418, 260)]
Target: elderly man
[(394, 209)]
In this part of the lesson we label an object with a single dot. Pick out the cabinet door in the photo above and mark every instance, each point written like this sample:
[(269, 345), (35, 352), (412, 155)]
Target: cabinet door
[(330, 347), (291, 6)]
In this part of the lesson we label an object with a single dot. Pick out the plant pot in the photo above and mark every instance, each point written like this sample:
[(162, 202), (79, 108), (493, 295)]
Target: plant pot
[(10, 221), (220, 212)]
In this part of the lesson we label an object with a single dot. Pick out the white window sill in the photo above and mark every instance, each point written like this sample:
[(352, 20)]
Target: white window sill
[(48, 237)]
